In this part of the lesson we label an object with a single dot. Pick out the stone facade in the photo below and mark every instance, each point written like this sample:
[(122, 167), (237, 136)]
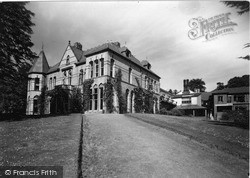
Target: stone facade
[(98, 63)]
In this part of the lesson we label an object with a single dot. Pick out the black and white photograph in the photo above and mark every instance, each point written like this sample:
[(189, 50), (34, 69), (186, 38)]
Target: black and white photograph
[(124, 89)]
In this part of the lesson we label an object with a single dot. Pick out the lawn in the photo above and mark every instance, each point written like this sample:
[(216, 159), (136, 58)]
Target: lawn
[(230, 139), (52, 141)]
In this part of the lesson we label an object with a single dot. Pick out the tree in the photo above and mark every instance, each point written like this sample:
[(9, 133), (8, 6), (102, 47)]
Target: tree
[(195, 84), (238, 82), (16, 55), (15, 40), (242, 6), (13, 98)]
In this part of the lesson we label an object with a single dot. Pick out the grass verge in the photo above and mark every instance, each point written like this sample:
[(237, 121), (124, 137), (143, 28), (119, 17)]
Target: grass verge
[(232, 140), (52, 141)]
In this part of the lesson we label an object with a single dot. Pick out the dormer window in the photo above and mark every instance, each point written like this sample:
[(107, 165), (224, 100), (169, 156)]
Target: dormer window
[(67, 60)]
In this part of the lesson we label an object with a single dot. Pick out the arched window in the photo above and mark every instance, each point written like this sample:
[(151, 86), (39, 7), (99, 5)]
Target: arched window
[(101, 96), (111, 67), (70, 76), (91, 99), (67, 60), (102, 66), (64, 76), (81, 77), (146, 82), (54, 82), (50, 83), (96, 68), (95, 98), (35, 105), (130, 75), (37, 81), (91, 69)]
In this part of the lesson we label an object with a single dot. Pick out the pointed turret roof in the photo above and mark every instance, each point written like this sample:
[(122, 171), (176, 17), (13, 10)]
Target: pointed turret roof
[(40, 65)]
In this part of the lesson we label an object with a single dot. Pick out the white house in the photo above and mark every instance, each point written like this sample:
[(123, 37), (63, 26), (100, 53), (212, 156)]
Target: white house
[(190, 102)]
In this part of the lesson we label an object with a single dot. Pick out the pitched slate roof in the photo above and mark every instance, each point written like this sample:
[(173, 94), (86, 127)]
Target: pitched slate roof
[(117, 49), (40, 65), (81, 55), (54, 68), (205, 95), (236, 90)]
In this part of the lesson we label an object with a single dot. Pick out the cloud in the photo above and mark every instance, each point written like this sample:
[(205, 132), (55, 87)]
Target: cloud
[(157, 31)]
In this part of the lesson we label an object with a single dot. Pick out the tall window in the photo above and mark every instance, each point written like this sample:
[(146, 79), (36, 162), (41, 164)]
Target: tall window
[(64, 76), (96, 68), (54, 85), (90, 101), (239, 98), (35, 105), (129, 75), (91, 69), (95, 98), (220, 98), (111, 67), (81, 77), (101, 97), (102, 66), (67, 60), (146, 83), (70, 76), (50, 83), (37, 81)]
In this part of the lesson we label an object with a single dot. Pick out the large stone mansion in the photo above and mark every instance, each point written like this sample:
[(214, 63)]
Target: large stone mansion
[(98, 63)]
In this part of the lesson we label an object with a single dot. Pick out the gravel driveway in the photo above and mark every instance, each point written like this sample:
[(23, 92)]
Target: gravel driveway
[(119, 146)]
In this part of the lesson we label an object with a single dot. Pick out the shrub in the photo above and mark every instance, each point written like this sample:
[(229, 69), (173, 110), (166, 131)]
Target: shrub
[(177, 112), (163, 111), (240, 117), (225, 116)]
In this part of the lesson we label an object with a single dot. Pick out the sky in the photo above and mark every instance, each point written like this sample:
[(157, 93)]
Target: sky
[(153, 31)]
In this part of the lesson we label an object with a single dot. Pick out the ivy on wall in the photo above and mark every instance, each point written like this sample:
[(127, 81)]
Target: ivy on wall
[(144, 100), (118, 88), (76, 101), (59, 100), (139, 100), (86, 86), (108, 95), (42, 100)]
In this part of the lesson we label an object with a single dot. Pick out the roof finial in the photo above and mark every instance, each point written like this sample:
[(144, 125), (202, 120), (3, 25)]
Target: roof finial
[(42, 46), (69, 42)]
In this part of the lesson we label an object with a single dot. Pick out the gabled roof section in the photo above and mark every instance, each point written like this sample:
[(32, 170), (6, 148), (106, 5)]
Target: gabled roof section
[(205, 95), (54, 68), (40, 65), (236, 90), (77, 52)]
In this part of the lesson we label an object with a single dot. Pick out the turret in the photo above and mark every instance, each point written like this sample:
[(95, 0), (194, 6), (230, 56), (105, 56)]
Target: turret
[(37, 79)]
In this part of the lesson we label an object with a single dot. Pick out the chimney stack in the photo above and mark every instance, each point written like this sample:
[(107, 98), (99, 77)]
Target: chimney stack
[(185, 85), (78, 45)]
